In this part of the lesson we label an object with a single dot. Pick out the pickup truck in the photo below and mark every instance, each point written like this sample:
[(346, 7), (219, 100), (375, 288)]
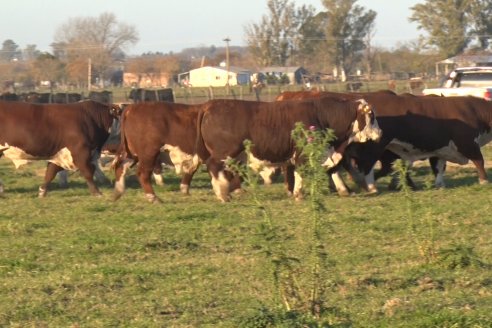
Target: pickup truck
[(465, 81)]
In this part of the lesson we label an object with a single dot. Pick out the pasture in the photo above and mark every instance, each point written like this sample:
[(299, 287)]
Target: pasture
[(397, 259)]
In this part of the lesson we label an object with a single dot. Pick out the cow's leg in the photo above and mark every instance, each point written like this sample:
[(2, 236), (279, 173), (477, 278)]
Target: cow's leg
[(340, 185), (235, 184), (220, 183), (2, 188), (84, 163), (297, 192), (482, 175), (472, 151), (387, 159), (266, 174), (144, 172), (184, 185), (62, 178), (186, 178), (395, 179), (51, 171), (356, 175), (157, 173), (120, 169), (408, 178), (371, 182), (99, 174), (289, 179), (438, 167)]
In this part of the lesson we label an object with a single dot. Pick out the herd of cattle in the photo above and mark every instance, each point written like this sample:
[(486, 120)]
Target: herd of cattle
[(135, 95), (369, 127)]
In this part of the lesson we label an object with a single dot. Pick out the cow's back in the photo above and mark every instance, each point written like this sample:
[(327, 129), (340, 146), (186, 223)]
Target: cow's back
[(153, 124), (268, 125), (42, 129)]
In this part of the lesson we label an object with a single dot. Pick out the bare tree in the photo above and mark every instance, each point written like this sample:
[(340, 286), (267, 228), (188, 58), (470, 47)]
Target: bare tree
[(101, 39)]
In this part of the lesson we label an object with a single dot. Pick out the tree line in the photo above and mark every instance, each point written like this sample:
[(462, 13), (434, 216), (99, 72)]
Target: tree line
[(337, 41)]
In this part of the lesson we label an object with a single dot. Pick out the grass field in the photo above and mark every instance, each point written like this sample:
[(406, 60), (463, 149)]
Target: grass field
[(417, 259)]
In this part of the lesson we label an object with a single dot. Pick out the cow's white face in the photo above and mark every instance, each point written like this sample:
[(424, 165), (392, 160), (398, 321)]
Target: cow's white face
[(366, 126)]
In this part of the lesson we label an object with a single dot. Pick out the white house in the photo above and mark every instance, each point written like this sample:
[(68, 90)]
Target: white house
[(216, 76)]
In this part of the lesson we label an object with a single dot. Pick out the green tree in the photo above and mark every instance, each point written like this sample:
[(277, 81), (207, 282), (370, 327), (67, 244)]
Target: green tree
[(445, 22), (47, 67), (10, 50), (101, 39), (347, 26), (30, 52), (276, 39), (481, 11)]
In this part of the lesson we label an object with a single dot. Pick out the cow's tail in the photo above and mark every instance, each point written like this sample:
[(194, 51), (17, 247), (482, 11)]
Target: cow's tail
[(122, 160), (200, 152)]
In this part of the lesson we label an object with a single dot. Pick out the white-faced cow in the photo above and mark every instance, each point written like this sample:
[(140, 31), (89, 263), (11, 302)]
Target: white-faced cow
[(69, 136), (150, 129), (414, 128), (224, 125)]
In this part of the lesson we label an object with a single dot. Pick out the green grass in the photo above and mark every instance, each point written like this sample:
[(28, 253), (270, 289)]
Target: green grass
[(73, 260)]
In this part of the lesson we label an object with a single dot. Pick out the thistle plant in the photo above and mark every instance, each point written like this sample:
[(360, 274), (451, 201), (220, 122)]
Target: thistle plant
[(425, 242), (282, 265), (311, 146)]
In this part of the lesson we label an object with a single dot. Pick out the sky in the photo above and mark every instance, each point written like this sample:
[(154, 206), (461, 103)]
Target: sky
[(172, 25)]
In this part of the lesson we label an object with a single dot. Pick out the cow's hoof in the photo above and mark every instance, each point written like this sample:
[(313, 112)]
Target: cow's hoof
[(372, 190), (42, 192), (483, 182), (185, 189), (224, 199), (238, 191), (344, 193), (116, 196), (153, 199)]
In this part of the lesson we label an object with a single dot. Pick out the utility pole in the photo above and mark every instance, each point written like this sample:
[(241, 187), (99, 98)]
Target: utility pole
[(227, 40), (89, 74)]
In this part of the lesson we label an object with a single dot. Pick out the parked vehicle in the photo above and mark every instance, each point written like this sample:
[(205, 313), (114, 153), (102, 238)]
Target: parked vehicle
[(465, 81)]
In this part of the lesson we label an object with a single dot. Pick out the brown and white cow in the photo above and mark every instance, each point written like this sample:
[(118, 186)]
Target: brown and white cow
[(149, 129), (448, 128), (224, 125), (69, 136)]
